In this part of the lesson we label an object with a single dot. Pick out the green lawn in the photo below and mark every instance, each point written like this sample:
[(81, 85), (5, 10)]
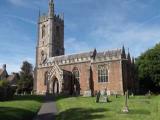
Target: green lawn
[(20, 108), (80, 108)]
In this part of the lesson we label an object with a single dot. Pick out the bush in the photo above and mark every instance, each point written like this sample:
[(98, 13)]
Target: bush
[(6, 91)]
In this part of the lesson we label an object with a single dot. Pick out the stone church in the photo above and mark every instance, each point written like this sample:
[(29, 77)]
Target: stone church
[(81, 73)]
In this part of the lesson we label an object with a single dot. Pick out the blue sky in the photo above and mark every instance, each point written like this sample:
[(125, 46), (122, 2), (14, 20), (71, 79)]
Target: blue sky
[(89, 24)]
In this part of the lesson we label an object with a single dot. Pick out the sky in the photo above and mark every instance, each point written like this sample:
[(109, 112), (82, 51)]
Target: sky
[(89, 24)]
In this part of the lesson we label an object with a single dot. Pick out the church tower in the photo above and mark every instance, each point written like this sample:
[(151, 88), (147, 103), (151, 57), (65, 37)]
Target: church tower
[(50, 35)]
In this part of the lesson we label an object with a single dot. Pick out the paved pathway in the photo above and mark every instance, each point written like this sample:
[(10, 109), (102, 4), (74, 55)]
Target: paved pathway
[(48, 109)]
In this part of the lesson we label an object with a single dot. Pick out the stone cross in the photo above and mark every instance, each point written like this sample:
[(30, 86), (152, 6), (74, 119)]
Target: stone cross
[(125, 109)]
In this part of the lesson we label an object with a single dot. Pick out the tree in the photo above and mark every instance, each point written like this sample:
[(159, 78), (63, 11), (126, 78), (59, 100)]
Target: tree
[(25, 84), (148, 66)]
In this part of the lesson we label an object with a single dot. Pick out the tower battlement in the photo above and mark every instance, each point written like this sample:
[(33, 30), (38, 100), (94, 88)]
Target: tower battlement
[(59, 18), (43, 18)]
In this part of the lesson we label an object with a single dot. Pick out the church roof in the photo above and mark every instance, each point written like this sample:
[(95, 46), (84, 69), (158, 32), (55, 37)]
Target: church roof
[(109, 53), (1, 71), (72, 56)]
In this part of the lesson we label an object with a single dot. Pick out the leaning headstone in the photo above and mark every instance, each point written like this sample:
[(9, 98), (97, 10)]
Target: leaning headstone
[(98, 97), (125, 109)]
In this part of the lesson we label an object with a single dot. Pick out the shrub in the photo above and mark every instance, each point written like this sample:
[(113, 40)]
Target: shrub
[(6, 91)]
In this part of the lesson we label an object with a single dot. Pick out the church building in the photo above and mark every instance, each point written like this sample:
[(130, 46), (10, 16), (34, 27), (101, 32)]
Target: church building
[(82, 73)]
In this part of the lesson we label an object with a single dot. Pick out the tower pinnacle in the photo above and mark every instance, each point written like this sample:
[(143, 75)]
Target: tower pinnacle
[(51, 1), (51, 8)]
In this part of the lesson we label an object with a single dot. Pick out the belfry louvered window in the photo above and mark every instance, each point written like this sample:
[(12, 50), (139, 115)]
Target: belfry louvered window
[(102, 74), (43, 31)]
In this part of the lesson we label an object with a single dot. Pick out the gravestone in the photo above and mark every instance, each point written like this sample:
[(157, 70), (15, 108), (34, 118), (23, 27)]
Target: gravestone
[(98, 96), (132, 94), (105, 97), (148, 95), (87, 93)]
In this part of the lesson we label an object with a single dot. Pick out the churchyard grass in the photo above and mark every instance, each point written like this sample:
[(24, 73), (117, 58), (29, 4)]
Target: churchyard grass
[(20, 108), (83, 108)]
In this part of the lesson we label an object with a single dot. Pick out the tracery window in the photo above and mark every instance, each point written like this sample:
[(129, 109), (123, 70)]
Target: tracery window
[(102, 74), (76, 74), (43, 31)]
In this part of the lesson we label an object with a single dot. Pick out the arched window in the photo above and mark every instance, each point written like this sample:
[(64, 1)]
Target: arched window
[(43, 31), (76, 74), (45, 78), (102, 74)]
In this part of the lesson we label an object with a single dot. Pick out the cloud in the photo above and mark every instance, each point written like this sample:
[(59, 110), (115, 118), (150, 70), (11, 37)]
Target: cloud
[(14, 64), (22, 19), (10, 67), (18, 2), (72, 45), (117, 26), (135, 36), (34, 4), (104, 24)]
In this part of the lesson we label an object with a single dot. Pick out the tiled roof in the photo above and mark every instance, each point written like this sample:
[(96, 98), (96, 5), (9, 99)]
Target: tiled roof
[(109, 53), (11, 77)]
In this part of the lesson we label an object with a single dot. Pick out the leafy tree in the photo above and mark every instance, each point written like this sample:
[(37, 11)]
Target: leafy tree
[(148, 66), (25, 84)]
